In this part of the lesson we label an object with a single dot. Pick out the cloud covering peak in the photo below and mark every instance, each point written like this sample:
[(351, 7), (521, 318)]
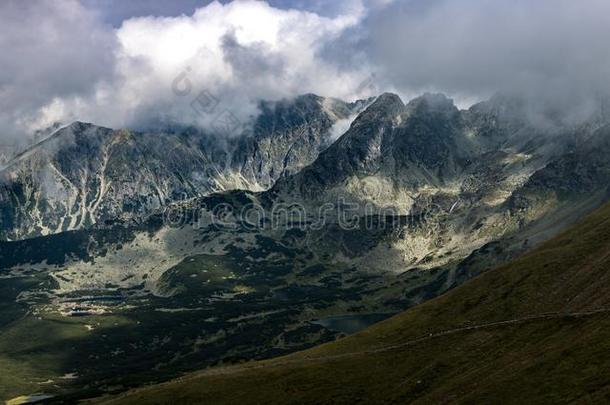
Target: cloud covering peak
[(552, 48), (63, 61), (152, 69)]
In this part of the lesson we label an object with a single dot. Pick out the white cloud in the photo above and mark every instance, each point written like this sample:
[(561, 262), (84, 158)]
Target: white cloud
[(238, 53), (61, 63)]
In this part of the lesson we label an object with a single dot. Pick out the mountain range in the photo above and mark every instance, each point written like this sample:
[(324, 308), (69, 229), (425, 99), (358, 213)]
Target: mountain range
[(84, 175), (323, 218), (533, 331)]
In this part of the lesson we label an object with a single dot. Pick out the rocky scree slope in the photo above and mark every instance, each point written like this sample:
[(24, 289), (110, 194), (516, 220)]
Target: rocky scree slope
[(85, 174)]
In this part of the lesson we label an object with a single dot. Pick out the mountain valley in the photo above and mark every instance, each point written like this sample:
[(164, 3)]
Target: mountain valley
[(161, 257)]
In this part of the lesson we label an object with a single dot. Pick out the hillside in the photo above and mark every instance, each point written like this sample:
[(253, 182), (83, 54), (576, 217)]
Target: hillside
[(536, 330), (181, 286), (83, 175)]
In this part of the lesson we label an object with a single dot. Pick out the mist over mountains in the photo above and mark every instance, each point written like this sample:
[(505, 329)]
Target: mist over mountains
[(197, 245), (188, 185), (83, 175), (242, 52)]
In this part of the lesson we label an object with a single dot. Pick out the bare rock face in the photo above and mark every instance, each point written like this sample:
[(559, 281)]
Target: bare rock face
[(441, 195), (477, 176), (491, 166), (423, 143), (84, 174), (484, 153)]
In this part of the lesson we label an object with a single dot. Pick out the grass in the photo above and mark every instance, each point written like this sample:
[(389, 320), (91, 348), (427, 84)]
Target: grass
[(561, 359), (150, 339), (26, 359)]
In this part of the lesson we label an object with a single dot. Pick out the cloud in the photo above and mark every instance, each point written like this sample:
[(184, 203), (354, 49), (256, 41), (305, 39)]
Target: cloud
[(239, 52), (161, 68), (49, 51), (114, 12), (63, 60), (556, 49)]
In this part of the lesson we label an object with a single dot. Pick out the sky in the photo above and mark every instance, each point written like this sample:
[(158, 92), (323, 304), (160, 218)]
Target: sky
[(141, 64)]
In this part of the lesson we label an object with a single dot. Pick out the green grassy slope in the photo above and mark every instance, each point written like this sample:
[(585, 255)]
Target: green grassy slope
[(534, 331)]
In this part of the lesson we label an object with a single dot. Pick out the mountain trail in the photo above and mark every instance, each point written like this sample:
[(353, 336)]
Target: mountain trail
[(241, 368)]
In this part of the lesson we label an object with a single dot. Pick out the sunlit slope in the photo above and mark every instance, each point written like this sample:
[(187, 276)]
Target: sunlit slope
[(534, 331)]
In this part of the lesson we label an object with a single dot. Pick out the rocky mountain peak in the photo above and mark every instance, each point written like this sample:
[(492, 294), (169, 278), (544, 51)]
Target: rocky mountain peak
[(388, 99), (82, 175), (79, 126), (410, 144), (386, 106), (501, 108), (384, 109), (432, 103)]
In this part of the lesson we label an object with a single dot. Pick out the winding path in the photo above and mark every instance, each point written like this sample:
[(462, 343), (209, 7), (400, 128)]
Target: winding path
[(266, 364)]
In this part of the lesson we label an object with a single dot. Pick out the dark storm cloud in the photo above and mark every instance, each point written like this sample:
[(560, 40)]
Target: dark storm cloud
[(113, 62), (557, 49), (47, 50)]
